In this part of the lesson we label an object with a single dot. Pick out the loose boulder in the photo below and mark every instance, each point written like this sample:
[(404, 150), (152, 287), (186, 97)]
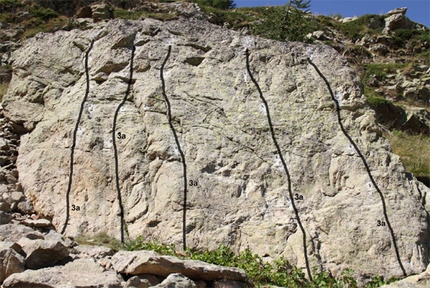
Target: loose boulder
[(83, 273), (42, 253), (10, 260), (149, 262)]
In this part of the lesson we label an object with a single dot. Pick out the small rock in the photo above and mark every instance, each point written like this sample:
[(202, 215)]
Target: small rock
[(229, 284), (3, 144), (5, 218), (151, 279), (101, 12), (201, 284), (4, 206), (39, 223), (12, 232), (11, 261), (25, 207), (177, 280), (42, 253), (17, 196), (135, 282), (397, 11), (96, 252)]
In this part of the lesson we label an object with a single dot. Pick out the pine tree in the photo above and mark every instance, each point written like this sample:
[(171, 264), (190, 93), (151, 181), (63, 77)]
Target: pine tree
[(300, 4)]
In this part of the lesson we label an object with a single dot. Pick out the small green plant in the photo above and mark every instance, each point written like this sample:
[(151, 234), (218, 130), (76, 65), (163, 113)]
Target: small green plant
[(398, 133), (413, 151), (6, 5), (378, 281), (139, 244), (219, 4), (3, 90), (377, 101), (99, 239), (286, 22), (356, 29), (43, 13), (402, 36)]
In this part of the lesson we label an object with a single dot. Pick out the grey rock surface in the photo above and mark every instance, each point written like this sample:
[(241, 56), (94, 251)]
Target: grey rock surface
[(176, 281), (42, 253), (10, 260), (241, 193), (149, 262), (83, 273)]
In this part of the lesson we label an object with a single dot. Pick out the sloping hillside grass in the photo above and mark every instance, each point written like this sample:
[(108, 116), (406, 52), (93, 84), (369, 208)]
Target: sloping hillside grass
[(413, 150)]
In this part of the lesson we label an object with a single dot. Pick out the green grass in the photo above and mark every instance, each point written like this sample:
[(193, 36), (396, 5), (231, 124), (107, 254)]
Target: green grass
[(139, 14), (356, 29), (402, 36), (380, 70), (3, 90), (100, 239), (413, 151), (424, 57)]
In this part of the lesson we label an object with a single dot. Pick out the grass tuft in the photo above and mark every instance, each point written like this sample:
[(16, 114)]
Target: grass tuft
[(413, 151)]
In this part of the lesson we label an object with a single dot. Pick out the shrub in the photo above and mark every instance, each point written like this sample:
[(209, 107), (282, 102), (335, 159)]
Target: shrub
[(219, 4), (403, 36), (6, 5), (43, 13), (3, 90), (285, 23), (356, 29)]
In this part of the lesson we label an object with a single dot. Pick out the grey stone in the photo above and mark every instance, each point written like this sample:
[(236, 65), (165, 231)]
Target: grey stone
[(39, 223), (13, 232), (42, 253), (229, 284), (176, 280), (4, 206), (149, 262), (79, 273), (10, 260), (401, 11), (5, 218), (25, 207), (17, 196), (93, 251)]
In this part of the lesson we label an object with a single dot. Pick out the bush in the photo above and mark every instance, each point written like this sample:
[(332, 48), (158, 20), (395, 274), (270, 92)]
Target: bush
[(403, 36), (219, 4), (6, 5), (376, 101), (356, 29), (285, 23), (43, 13)]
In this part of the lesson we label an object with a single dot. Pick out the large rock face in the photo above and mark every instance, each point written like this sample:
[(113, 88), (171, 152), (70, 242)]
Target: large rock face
[(238, 189)]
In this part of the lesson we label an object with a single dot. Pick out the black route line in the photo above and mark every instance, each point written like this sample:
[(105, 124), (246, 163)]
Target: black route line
[(118, 189), (384, 207), (272, 132), (72, 154), (184, 165)]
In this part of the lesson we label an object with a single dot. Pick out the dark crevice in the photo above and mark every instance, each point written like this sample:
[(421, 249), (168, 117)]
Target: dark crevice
[(290, 192), (384, 207), (184, 165), (72, 149), (118, 189)]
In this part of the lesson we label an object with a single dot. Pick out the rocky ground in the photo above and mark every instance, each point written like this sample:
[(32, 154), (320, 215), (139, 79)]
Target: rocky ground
[(40, 257)]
